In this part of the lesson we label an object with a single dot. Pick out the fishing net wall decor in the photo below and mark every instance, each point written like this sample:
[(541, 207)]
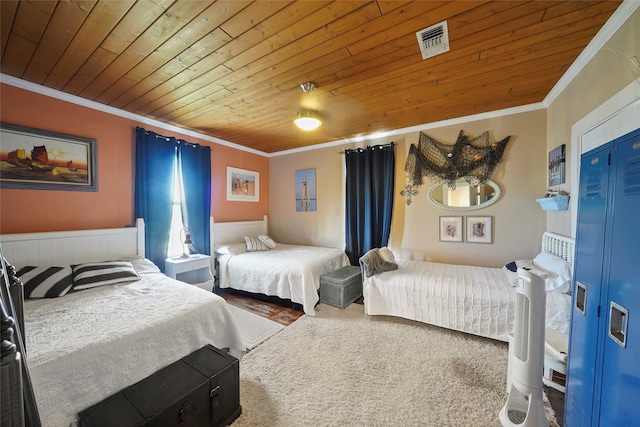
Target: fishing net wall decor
[(472, 159)]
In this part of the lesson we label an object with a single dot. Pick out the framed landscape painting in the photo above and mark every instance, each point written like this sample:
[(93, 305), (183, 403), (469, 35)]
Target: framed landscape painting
[(36, 159), (243, 185)]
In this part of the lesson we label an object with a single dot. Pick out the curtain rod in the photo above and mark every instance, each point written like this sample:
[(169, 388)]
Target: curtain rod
[(390, 144), (168, 138)]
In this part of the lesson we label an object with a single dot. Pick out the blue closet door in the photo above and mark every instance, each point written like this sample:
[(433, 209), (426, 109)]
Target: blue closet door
[(620, 381), (587, 286)]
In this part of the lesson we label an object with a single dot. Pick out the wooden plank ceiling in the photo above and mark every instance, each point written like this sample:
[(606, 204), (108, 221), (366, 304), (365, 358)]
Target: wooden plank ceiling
[(233, 69)]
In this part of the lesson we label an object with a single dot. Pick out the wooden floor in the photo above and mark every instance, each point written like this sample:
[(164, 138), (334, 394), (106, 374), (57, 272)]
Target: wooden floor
[(273, 308), (285, 313)]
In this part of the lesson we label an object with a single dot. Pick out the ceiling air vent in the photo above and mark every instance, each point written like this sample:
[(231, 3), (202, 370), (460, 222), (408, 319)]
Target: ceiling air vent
[(433, 40)]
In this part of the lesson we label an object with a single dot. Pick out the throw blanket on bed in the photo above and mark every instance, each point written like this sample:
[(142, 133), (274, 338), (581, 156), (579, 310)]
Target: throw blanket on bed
[(88, 345), (372, 263)]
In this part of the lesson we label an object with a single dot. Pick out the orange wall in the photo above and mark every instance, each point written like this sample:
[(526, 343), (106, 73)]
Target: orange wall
[(23, 211)]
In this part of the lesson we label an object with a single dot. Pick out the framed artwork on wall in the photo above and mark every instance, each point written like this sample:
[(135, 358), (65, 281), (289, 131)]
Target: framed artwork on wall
[(36, 159), (243, 185), (451, 229), (479, 229), (306, 190), (557, 165)]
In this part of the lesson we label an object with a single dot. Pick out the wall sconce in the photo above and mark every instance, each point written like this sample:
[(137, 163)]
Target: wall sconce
[(308, 119), (185, 236)]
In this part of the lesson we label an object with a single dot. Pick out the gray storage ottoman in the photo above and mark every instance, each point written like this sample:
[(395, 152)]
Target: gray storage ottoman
[(341, 287)]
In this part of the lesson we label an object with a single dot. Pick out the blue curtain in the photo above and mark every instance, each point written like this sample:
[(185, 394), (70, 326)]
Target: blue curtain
[(155, 160), (195, 166), (155, 156), (370, 176)]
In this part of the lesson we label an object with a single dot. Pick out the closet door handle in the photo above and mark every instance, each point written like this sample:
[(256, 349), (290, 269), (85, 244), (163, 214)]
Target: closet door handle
[(618, 321), (581, 297)]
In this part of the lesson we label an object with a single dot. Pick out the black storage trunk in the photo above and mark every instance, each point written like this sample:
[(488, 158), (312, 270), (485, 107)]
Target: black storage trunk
[(201, 389), (223, 372), (341, 287)]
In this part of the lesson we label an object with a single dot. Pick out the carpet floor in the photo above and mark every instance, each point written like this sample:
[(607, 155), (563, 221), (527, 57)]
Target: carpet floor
[(343, 368), (254, 329)]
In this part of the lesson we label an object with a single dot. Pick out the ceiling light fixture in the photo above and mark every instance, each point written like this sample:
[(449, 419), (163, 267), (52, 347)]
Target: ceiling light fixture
[(308, 119)]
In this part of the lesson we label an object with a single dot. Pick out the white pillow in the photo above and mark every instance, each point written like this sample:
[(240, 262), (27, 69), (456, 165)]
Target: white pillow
[(271, 244), (386, 254), (231, 249), (142, 265), (254, 244), (559, 277)]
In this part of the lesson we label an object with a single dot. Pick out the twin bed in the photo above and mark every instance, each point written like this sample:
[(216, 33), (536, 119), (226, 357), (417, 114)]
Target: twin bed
[(290, 272), (480, 300), (476, 300)]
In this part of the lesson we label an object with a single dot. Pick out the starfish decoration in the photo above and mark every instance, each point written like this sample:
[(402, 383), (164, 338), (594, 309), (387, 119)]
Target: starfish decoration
[(472, 159)]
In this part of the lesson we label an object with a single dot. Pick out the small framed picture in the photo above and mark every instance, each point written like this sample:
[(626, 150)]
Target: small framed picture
[(557, 165), (451, 229), (479, 229), (243, 185), (306, 190)]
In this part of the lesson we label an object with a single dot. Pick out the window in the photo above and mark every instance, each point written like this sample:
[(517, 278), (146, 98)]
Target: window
[(175, 246)]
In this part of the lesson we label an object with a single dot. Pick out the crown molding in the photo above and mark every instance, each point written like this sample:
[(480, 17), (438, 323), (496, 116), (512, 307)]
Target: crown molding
[(617, 19), (53, 93)]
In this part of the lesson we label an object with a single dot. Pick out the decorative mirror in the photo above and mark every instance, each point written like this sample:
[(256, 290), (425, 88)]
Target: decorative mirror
[(464, 197)]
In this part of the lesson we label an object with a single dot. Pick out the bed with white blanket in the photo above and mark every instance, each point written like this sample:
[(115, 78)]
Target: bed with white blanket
[(290, 272), (88, 344), (475, 300)]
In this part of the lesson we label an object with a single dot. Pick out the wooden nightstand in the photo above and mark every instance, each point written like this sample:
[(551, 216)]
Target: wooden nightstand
[(195, 270)]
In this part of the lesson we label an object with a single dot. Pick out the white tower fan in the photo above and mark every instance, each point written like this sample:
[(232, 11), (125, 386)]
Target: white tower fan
[(524, 405)]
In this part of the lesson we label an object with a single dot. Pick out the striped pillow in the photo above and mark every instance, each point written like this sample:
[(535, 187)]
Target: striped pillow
[(268, 241), (45, 282), (94, 274), (255, 244)]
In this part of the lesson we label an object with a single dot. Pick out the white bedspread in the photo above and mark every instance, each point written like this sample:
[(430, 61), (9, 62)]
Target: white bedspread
[(88, 345), (476, 300), (288, 271)]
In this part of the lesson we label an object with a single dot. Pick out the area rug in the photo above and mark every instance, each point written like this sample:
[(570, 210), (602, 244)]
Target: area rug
[(254, 329), (343, 368)]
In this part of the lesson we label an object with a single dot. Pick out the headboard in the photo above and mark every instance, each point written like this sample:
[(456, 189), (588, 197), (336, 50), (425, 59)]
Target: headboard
[(58, 248), (234, 232), (560, 245)]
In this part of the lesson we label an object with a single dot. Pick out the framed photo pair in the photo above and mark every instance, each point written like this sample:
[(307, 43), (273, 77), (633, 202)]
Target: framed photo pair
[(479, 229)]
